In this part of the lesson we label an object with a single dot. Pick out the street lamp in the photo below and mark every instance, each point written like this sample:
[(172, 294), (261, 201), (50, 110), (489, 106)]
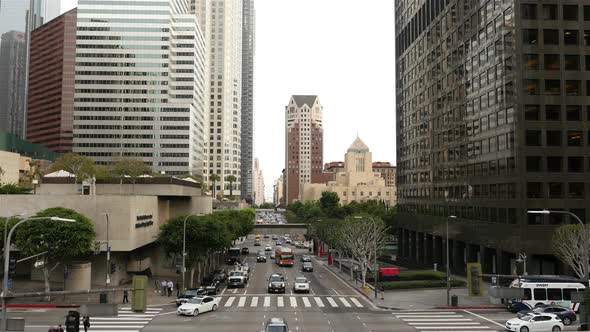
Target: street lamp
[(522, 259), (108, 280), (184, 248), (6, 225), (7, 258), (586, 235), (448, 265)]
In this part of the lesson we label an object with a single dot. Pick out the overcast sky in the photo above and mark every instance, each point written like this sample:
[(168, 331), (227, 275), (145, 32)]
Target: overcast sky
[(342, 51)]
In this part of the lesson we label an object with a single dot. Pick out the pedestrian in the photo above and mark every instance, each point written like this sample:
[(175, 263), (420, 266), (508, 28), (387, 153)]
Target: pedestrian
[(156, 285), (86, 322), (51, 329), (382, 292), (163, 286), (125, 296), (59, 329), (177, 289), (170, 287)]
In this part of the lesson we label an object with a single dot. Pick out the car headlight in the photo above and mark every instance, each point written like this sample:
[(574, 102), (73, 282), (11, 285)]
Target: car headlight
[(269, 285)]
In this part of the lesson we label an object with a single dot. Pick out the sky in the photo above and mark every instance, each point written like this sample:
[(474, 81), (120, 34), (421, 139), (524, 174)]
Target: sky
[(343, 51)]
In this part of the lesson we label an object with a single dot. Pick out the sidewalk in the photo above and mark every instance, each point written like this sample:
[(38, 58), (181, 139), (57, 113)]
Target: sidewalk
[(424, 298)]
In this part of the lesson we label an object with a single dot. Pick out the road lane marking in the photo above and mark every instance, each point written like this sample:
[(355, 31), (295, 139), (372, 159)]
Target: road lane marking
[(436, 320), (356, 302), (447, 323), (346, 304), (425, 313), (137, 316), (267, 301), (427, 316), (242, 301), (319, 302), (117, 326), (452, 327), (306, 302), (280, 302), (332, 302), (121, 318), (293, 301), (230, 301), (254, 302), (482, 317)]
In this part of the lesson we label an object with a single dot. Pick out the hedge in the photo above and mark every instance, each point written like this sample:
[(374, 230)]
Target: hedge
[(389, 285), (410, 275)]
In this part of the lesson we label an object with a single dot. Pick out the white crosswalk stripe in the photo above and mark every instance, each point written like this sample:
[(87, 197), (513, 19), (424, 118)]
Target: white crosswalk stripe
[(293, 301), (430, 321), (306, 302), (280, 301), (356, 302), (242, 302), (267, 301), (319, 302), (290, 302), (332, 302), (126, 320), (230, 301), (254, 302), (343, 300)]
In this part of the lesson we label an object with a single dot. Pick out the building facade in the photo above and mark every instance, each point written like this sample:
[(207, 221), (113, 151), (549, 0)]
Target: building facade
[(258, 197), (13, 50), (387, 172), (51, 84), (304, 135), (357, 181), (224, 18), (492, 116), (247, 120), (278, 192), (140, 87)]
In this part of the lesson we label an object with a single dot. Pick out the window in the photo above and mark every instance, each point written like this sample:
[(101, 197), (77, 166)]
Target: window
[(574, 138), (540, 294), (587, 62), (549, 12), (528, 11), (527, 294), (554, 164), (555, 190), (573, 112), (551, 36), (573, 88), (531, 61), (533, 137), (531, 87), (533, 164), (586, 13), (575, 164), (575, 190), (554, 293), (531, 112), (586, 37), (552, 62), (570, 12), (570, 37), (534, 189), (530, 36), (553, 138), (567, 292), (552, 87), (572, 62), (552, 112)]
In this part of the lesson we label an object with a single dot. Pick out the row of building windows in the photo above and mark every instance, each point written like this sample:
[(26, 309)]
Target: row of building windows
[(554, 87), (571, 62), (554, 164), (573, 138), (552, 37), (575, 190), (529, 11)]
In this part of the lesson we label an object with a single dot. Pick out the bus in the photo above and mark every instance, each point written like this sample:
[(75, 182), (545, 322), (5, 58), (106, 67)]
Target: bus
[(539, 292), (284, 256), (233, 255)]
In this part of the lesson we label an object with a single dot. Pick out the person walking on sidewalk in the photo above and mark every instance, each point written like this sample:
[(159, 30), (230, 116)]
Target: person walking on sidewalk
[(86, 323), (163, 287), (125, 296), (382, 290), (59, 328)]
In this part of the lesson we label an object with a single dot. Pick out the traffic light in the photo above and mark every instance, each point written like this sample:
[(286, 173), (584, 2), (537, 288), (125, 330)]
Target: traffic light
[(113, 268), (12, 267), (474, 279)]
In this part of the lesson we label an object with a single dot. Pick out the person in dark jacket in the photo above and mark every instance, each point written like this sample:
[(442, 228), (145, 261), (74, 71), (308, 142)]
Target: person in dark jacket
[(59, 328), (125, 296), (86, 323)]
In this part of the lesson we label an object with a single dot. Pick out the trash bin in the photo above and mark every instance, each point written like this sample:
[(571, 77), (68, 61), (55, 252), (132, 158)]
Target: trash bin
[(454, 301), (103, 298)]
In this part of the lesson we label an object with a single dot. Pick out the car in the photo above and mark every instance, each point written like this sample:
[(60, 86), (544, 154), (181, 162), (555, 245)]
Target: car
[(535, 322), (266, 236), (198, 305), (566, 315), (274, 237), (288, 241), (276, 325), (245, 251), (272, 255), (278, 243), (305, 258), (301, 284), (188, 294), (261, 258), (268, 248), (307, 267), (277, 283)]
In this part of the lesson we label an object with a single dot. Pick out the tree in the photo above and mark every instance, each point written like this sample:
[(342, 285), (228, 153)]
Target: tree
[(231, 179), (214, 178), (34, 172), (63, 241), (329, 201), (2, 172), (130, 167), (571, 244), (82, 167)]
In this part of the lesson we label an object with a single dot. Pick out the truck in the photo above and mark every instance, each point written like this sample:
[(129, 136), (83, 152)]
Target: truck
[(284, 256), (233, 256)]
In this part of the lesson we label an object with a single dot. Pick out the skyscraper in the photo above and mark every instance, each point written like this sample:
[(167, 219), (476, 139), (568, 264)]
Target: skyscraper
[(492, 121), (247, 121), (304, 134), (225, 57), (140, 84), (12, 85), (258, 192)]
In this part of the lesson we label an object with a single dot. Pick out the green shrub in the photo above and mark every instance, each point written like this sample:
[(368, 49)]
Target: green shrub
[(389, 285)]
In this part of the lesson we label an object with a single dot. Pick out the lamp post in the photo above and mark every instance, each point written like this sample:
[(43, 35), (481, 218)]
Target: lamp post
[(184, 248), (448, 263), (108, 278), (522, 259), (6, 226), (7, 258)]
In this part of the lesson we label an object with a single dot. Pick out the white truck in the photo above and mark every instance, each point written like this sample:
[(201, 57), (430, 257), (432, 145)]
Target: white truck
[(239, 276)]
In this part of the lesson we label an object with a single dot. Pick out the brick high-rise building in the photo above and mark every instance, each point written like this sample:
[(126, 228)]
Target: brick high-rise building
[(51, 84), (304, 141)]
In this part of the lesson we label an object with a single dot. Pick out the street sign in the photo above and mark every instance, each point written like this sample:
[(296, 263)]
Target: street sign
[(39, 263)]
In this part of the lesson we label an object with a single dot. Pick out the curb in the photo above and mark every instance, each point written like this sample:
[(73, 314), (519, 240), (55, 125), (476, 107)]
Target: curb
[(483, 307), (351, 285), (388, 308)]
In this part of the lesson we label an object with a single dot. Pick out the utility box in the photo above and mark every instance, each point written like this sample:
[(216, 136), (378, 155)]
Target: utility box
[(454, 301), (139, 293)]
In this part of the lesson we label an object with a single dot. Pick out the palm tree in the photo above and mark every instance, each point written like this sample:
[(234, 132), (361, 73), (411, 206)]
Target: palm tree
[(231, 179), (214, 178)]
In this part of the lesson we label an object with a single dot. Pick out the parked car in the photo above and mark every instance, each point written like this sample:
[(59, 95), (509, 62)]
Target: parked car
[(301, 284), (277, 283), (535, 322), (307, 267), (276, 325), (198, 305), (566, 315), (245, 251)]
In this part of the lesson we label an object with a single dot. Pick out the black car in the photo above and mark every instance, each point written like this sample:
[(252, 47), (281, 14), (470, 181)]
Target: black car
[(188, 294), (217, 276), (261, 257), (245, 251), (277, 283)]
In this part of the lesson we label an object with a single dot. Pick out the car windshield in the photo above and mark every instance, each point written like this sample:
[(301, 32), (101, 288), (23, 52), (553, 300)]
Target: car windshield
[(276, 328), (526, 318), (236, 274), (307, 264), (276, 278), (196, 300), (189, 293), (301, 280)]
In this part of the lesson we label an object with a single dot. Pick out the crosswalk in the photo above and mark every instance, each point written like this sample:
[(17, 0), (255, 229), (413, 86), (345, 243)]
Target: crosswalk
[(430, 321), (125, 321), (290, 302)]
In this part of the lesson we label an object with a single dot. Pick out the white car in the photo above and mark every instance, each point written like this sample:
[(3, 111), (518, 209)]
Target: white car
[(268, 248), (534, 322), (301, 284), (198, 305)]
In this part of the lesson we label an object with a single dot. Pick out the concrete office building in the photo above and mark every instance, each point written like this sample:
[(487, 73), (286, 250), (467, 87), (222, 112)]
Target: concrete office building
[(387, 172), (258, 178), (140, 84), (492, 121), (224, 18), (247, 121), (13, 48), (304, 145), (51, 84), (278, 191)]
